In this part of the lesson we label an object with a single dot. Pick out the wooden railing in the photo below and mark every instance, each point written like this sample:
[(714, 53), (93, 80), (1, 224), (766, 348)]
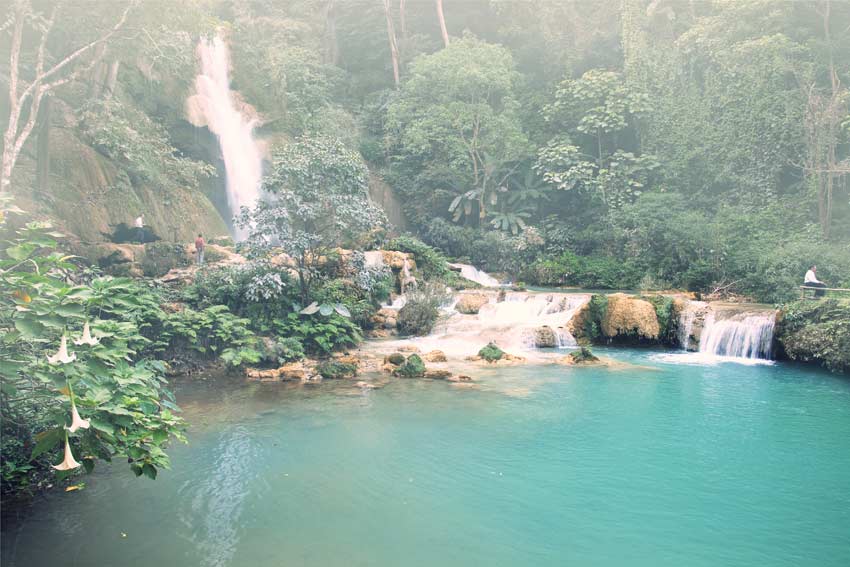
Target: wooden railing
[(840, 291)]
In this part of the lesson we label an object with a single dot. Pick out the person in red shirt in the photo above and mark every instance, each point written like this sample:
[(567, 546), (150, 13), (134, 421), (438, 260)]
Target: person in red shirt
[(199, 248)]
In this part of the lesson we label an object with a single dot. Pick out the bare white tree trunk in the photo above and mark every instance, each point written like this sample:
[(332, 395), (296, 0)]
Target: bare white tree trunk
[(442, 19), (29, 96), (393, 40)]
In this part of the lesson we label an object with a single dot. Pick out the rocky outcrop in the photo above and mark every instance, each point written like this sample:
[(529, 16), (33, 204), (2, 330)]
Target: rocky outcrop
[(435, 356), (95, 194), (293, 371), (471, 303), (385, 318), (627, 315), (545, 337)]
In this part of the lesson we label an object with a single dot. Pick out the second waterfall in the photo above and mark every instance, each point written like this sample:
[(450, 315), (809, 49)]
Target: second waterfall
[(214, 105)]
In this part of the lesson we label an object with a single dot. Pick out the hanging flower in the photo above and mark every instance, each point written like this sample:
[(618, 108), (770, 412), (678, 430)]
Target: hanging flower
[(62, 356), (68, 463), (87, 339), (76, 421)]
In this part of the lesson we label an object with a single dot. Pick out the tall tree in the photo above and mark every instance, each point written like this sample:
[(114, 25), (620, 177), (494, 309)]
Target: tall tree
[(393, 40), (25, 98), (442, 18)]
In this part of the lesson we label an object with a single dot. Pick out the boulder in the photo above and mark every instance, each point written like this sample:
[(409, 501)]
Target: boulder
[(409, 348), (413, 367), (366, 385), (293, 371), (396, 359), (627, 315), (581, 357), (435, 356), (545, 337), (471, 303)]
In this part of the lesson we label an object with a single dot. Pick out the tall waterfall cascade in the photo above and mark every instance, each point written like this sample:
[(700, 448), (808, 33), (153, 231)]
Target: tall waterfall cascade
[(742, 335), (475, 275), (510, 323), (214, 105)]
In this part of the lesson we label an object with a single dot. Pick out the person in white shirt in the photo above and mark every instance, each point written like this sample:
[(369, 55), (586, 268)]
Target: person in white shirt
[(140, 228), (811, 280)]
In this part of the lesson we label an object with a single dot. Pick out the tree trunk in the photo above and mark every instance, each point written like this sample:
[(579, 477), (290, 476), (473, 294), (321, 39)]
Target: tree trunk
[(393, 41), (442, 19), (111, 79), (332, 47), (43, 149), (402, 20)]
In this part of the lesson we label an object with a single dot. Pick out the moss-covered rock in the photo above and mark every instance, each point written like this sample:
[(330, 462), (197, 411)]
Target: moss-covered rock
[(334, 369), (413, 367), (816, 331), (491, 353)]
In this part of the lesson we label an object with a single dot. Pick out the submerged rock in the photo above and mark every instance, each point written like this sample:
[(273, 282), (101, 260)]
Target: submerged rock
[(437, 374), (460, 378)]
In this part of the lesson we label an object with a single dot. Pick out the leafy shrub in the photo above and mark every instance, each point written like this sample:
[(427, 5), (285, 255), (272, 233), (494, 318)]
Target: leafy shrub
[(584, 354), (333, 369), (160, 257), (209, 332), (817, 330), (491, 250), (491, 353), (319, 334), (664, 312), (286, 349), (422, 309), (596, 309), (430, 262), (413, 367)]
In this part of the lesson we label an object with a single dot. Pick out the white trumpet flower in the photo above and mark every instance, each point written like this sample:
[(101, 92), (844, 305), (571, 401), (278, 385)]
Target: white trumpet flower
[(86, 339), (62, 356), (76, 421), (69, 462)]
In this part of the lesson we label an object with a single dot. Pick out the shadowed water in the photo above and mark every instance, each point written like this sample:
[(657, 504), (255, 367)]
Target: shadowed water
[(662, 464)]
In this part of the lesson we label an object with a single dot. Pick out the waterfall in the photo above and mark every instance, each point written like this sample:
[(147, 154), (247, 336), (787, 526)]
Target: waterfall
[(742, 335), (478, 276), (686, 322), (510, 323), (374, 258), (215, 106)]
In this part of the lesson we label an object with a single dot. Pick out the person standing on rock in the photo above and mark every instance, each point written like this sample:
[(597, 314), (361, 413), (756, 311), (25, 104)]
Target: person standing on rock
[(811, 280), (140, 228), (199, 248)]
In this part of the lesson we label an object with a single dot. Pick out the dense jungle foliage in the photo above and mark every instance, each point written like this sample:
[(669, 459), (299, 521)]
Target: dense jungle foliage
[(641, 144)]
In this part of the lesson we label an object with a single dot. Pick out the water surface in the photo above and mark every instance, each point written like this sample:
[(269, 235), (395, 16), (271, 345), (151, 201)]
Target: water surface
[(667, 464)]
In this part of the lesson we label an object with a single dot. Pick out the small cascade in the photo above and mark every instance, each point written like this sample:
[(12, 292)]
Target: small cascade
[(406, 278), (214, 105), (741, 335), (513, 324), (686, 322), (374, 258), (478, 276)]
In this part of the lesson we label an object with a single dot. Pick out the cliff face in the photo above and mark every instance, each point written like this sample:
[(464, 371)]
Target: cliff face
[(88, 194)]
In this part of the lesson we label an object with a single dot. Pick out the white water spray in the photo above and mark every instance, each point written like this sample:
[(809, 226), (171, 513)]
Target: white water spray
[(743, 335), (511, 324), (214, 105), (475, 275)]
